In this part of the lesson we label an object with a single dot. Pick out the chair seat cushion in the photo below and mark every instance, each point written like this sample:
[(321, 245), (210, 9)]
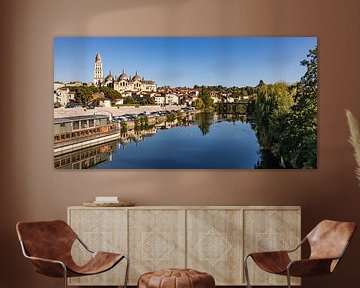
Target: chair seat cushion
[(176, 278)]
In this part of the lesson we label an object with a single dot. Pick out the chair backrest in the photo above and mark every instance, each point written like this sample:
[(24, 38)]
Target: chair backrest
[(46, 239), (329, 239)]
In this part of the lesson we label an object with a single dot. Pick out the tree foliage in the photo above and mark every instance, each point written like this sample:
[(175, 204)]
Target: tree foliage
[(199, 104), (206, 99), (273, 102), (83, 94), (286, 118), (301, 132), (110, 93)]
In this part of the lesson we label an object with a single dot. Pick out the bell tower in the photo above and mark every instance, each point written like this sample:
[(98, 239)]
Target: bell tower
[(98, 70)]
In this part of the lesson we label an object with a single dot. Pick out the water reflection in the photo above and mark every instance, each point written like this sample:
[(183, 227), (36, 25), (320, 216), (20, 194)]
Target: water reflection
[(85, 158), (192, 141), (205, 120)]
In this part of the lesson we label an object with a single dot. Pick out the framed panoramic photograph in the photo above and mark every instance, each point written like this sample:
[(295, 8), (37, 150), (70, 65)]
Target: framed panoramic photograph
[(185, 102)]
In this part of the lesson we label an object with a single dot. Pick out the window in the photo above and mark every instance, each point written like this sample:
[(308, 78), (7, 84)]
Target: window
[(83, 124), (76, 125), (76, 166)]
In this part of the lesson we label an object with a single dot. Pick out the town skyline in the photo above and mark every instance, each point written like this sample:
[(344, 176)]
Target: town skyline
[(184, 61)]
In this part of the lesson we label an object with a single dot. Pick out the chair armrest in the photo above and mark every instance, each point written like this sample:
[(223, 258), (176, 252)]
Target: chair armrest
[(268, 253), (309, 267), (46, 260), (84, 245), (281, 251), (298, 246), (49, 267)]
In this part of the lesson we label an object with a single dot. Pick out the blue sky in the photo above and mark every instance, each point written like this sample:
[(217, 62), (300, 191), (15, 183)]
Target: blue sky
[(185, 61)]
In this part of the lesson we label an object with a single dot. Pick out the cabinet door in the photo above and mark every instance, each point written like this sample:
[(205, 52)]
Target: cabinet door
[(156, 240), (100, 230), (214, 244), (271, 230)]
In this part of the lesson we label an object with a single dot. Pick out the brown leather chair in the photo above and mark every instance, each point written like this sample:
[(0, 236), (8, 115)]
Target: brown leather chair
[(48, 245), (328, 242)]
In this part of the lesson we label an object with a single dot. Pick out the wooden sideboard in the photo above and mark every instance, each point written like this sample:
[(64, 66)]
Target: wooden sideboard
[(212, 239)]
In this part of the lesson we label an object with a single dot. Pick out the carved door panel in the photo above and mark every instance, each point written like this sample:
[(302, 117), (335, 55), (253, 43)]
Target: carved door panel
[(269, 230), (101, 230), (214, 244), (156, 240)]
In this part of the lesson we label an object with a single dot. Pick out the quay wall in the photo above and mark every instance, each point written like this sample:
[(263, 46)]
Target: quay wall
[(114, 111)]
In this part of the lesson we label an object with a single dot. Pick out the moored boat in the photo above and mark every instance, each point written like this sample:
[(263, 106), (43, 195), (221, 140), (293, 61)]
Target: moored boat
[(78, 132)]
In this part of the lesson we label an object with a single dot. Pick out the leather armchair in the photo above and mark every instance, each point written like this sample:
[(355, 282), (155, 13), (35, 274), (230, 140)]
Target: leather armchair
[(48, 245), (328, 242)]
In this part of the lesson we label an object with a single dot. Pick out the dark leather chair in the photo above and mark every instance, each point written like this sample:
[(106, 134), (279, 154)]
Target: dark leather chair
[(328, 242), (48, 245)]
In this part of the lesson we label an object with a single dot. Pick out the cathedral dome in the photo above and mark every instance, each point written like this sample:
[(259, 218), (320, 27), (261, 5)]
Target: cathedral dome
[(123, 76), (109, 77), (136, 77), (98, 57)]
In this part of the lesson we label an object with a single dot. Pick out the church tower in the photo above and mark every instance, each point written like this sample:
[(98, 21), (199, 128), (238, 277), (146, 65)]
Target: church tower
[(98, 70)]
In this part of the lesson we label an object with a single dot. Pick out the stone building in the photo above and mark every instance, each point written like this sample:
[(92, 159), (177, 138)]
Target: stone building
[(63, 96), (124, 83), (98, 70)]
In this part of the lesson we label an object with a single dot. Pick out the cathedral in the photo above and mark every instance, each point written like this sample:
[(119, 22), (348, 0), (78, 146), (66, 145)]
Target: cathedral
[(123, 83)]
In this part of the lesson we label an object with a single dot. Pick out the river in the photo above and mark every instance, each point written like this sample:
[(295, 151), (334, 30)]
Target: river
[(203, 141)]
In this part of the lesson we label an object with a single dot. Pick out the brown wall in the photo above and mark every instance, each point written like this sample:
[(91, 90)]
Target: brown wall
[(32, 189)]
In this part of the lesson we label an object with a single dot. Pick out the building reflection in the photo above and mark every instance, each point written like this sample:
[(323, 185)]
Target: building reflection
[(94, 155), (86, 158)]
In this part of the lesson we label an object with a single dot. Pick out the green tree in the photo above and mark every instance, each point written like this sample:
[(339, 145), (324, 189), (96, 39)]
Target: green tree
[(273, 101), (286, 118), (83, 94), (130, 100), (301, 130), (123, 128), (261, 83), (199, 104), (110, 93), (250, 106), (171, 117), (94, 89), (206, 99), (137, 126)]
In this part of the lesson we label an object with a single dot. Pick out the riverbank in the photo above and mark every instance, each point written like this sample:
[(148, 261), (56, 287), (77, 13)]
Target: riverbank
[(114, 111)]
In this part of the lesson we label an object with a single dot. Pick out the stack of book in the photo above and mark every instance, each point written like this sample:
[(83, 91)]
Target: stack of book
[(106, 199)]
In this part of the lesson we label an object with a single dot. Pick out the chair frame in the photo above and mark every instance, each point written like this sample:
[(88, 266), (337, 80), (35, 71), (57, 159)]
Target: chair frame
[(246, 270), (26, 255)]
